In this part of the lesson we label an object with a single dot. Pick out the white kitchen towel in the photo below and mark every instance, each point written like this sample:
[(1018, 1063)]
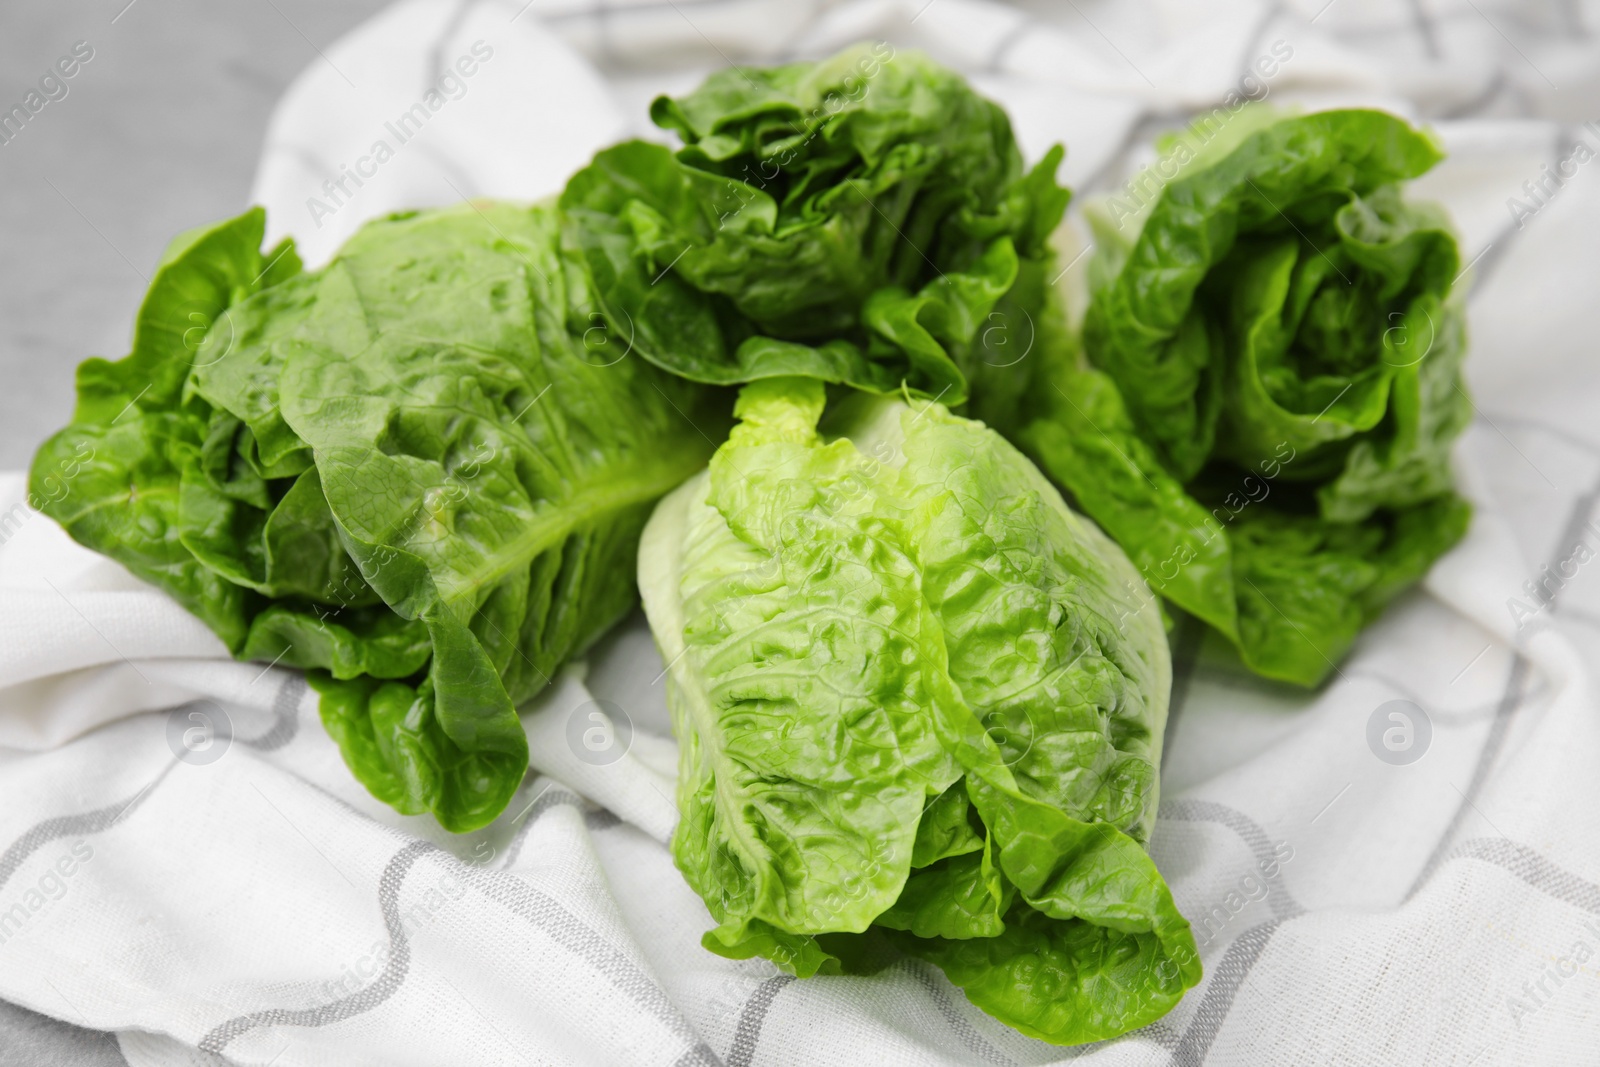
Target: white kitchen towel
[(185, 860)]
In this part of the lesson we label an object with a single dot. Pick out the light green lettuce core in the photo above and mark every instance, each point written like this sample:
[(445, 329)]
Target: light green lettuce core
[(920, 701)]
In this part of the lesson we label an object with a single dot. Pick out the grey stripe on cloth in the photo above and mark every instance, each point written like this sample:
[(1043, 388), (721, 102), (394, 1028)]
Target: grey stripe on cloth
[(1480, 103), (1230, 973), (1246, 949), (1512, 699), (593, 818), (1466, 716), (382, 988), (1490, 257), (601, 15), (1158, 1031), (1224, 986), (87, 822), (751, 1018), (1279, 899), (286, 712), (965, 1032), (1560, 434), (1528, 865), (1252, 48), (1150, 123), (306, 157), (1142, 129), (438, 62), (1509, 703), (800, 38), (553, 796), (516, 896), (700, 1055), (604, 11), (1423, 20), (1577, 520), (1008, 41), (1495, 251), (556, 796), (1572, 15), (1589, 620), (570, 932), (1510, 13)]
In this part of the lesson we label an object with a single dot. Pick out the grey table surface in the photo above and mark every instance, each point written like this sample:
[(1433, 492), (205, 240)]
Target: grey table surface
[(159, 131)]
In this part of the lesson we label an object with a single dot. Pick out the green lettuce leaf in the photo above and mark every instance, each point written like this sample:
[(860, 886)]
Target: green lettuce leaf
[(1273, 383), (137, 435), (858, 220), (917, 699), (420, 473)]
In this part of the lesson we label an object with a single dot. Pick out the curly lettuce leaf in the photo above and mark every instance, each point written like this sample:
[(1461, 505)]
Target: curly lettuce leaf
[(114, 477), (417, 474), (856, 220), (1304, 194), (917, 699), (1273, 384)]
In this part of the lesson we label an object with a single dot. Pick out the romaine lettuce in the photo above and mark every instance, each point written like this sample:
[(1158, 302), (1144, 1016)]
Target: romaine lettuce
[(860, 220), (416, 473), (1275, 321), (919, 700), (1276, 382)]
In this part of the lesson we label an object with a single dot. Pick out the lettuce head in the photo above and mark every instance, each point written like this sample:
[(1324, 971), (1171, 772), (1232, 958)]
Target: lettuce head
[(1273, 382), (419, 473), (920, 704)]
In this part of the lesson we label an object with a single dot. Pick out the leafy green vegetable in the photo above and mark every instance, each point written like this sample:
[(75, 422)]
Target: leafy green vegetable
[(1276, 383), (420, 473), (857, 220), (918, 699), (1278, 321)]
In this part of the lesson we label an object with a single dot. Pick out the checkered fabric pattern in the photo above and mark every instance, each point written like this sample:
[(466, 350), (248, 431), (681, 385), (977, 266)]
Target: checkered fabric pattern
[(257, 907)]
